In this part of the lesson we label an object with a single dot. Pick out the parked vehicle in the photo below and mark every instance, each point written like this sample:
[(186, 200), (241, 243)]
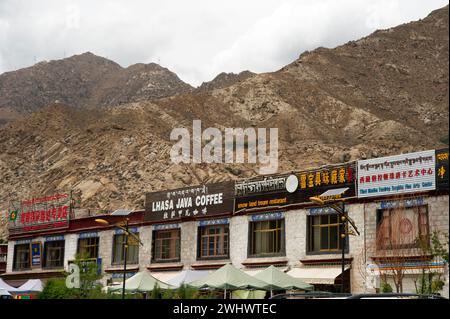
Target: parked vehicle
[(330, 295)]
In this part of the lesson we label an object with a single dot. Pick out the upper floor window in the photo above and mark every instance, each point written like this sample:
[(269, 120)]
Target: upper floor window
[(22, 253), (166, 245), (118, 252), (267, 238), (54, 254), (400, 228), (213, 241), (324, 233), (88, 247)]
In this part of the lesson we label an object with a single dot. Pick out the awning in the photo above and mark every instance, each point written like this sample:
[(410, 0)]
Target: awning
[(317, 275), (165, 276)]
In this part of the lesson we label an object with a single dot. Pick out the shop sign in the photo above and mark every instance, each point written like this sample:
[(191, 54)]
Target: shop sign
[(398, 174), (23, 241), (190, 202), (288, 189), (209, 222), (37, 214), (165, 226), (266, 216), (133, 230), (88, 234), (119, 275), (322, 211), (442, 169), (54, 238), (35, 254), (407, 203)]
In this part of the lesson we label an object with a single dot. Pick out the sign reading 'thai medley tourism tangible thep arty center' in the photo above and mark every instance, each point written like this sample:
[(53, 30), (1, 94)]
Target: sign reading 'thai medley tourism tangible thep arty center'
[(398, 174)]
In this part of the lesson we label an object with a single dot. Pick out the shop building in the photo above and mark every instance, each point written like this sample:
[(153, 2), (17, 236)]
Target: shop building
[(254, 223)]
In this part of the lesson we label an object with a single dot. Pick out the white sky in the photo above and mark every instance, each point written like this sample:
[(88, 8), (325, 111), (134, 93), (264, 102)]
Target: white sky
[(197, 39)]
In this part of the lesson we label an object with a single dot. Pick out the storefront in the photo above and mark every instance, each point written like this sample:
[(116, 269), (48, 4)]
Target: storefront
[(253, 223)]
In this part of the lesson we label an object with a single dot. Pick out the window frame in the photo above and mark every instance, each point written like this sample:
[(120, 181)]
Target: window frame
[(97, 248), (222, 235), (337, 251), (154, 246), (282, 252), (44, 264), (121, 261), (15, 257), (379, 215)]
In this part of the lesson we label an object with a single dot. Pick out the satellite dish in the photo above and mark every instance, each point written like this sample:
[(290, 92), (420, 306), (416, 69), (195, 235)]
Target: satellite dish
[(291, 183)]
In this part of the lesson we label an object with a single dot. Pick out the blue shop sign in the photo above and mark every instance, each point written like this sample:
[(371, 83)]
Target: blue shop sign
[(208, 222), (23, 241), (36, 254), (88, 235), (165, 226), (266, 216), (133, 230), (322, 211), (54, 238), (413, 202)]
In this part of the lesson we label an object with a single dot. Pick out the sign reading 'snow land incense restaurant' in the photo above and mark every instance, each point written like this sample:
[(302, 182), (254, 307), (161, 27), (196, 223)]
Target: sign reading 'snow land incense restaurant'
[(190, 202), (37, 214), (398, 174), (287, 189)]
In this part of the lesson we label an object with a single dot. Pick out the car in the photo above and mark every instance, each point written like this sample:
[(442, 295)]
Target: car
[(331, 295)]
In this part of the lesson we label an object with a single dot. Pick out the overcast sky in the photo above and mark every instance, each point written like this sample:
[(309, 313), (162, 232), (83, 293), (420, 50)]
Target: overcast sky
[(197, 39)]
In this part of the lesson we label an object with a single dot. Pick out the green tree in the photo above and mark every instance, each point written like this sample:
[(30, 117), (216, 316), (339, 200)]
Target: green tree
[(430, 282)]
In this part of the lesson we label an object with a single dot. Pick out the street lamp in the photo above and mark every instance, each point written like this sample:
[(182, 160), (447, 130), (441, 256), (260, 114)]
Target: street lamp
[(330, 199), (123, 226)]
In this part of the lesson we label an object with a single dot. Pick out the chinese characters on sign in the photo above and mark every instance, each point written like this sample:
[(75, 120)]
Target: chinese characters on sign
[(190, 202), (442, 169), (50, 212), (310, 183), (397, 174)]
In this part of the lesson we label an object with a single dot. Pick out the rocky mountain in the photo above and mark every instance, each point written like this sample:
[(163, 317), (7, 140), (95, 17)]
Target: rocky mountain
[(384, 94), (84, 80), (224, 80)]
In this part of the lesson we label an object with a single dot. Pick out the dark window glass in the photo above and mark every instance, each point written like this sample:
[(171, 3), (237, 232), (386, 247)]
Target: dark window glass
[(214, 241), (324, 233), (166, 245), (267, 237), (54, 254), (132, 253), (88, 247), (21, 256)]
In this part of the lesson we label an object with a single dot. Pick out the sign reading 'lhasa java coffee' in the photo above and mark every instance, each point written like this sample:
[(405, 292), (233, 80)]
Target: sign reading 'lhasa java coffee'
[(288, 189), (398, 174), (190, 202), (37, 214)]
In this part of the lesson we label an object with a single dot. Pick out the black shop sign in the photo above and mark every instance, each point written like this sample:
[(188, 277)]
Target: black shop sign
[(190, 202)]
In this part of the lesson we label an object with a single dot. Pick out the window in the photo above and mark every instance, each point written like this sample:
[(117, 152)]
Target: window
[(267, 238), (324, 233), (402, 227), (213, 241), (166, 245), (22, 257), (132, 253), (54, 254), (88, 247)]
